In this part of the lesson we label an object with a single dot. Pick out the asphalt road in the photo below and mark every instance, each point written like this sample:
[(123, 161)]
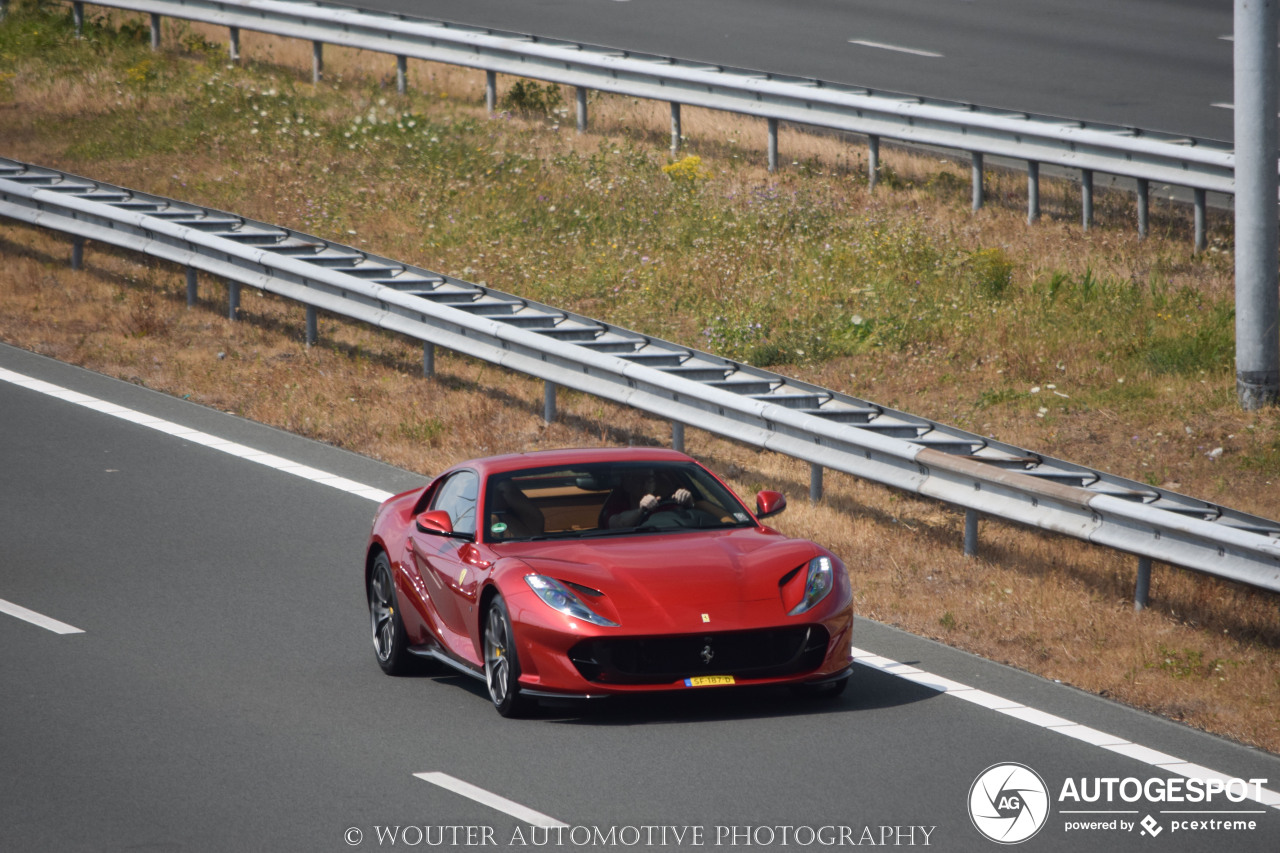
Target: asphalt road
[(222, 693), (1155, 64)]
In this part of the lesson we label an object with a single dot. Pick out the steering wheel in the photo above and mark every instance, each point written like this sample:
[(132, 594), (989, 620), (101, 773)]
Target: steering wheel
[(665, 505)]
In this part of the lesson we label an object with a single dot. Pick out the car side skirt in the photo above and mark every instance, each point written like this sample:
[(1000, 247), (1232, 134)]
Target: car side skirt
[(436, 654)]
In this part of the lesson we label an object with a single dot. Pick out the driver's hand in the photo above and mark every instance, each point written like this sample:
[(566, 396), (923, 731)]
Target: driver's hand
[(648, 502), (683, 497)]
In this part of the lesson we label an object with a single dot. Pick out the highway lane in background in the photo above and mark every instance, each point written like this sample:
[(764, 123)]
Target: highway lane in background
[(223, 693), (1155, 64)]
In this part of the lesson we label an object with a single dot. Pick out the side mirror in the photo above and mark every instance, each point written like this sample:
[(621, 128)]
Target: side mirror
[(770, 503), (436, 521)]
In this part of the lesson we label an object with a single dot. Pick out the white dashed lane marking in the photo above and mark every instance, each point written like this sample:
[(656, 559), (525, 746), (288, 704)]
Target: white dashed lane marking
[(37, 618), (493, 801), (914, 51)]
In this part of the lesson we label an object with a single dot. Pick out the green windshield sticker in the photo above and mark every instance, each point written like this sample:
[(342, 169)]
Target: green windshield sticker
[(498, 528)]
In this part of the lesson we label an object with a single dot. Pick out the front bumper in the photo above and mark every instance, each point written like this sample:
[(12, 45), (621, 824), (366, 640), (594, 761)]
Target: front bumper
[(566, 657)]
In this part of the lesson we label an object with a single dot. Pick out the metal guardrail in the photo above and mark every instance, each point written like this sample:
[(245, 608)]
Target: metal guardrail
[(1146, 156), (823, 427)]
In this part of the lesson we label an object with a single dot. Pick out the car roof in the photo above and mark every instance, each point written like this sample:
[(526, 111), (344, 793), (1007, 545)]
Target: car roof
[(550, 458)]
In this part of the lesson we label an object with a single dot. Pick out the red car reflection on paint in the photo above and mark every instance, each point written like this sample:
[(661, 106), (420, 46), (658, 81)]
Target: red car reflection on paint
[(582, 573)]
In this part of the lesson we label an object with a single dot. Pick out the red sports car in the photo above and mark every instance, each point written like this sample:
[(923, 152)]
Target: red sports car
[(582, 573)]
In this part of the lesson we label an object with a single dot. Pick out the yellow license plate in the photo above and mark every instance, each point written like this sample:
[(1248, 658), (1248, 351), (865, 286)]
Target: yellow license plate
[(708, 681)]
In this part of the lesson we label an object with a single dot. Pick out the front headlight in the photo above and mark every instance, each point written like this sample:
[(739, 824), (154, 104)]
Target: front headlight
[(559, 597), (819, 582)]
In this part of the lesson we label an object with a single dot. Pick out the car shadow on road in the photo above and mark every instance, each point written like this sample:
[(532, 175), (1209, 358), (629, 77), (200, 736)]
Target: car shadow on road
[(869, 690)]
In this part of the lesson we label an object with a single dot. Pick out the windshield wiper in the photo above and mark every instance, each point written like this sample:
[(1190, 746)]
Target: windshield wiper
[(601, 532), (575, 534), (607, 531)]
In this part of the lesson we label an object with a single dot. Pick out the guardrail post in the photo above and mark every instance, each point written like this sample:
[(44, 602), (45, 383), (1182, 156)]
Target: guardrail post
[(675, 128), (873, 161), (317, 61), (193, 287), (233, 44), (155, 31), (1256, 242), (977, 180), (428, 359), (773, 145), (1086, 198), (77, 15), (677, 436), (970, 532), (77, 252), (1142, 589), (1033, 191), (490, 91), (549, 401), (313, 331), (582, 109), (1201, 241), (1144, 210), (233, 299), (402, 74), (815, 482)]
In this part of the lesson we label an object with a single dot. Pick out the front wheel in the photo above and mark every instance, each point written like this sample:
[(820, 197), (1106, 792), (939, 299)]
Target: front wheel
[(501, 666)]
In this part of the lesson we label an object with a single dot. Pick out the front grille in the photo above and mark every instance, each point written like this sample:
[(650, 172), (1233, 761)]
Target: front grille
[(768, 653)]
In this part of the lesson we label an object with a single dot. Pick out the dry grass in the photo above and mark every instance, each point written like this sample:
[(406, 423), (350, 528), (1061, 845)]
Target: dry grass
[(1206, 652)]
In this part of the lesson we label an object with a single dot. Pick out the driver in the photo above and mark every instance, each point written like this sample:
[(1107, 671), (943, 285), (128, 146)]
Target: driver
[(644, 489)]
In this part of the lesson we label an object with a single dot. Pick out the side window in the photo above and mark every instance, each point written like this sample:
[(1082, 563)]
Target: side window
[(457, 496)]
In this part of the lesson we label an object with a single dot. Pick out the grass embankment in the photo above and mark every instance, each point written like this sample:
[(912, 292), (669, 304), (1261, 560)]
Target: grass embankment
[(1091, 346)]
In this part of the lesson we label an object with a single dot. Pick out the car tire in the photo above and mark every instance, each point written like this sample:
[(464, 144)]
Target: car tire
[(501, 664), (390, 642)]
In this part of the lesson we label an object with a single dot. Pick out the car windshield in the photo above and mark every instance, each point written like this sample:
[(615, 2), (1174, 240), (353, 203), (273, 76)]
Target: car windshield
[(607, 499)]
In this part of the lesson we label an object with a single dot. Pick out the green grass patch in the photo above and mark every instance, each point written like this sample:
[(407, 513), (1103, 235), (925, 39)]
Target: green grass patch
[(429, 431), (768, 272)]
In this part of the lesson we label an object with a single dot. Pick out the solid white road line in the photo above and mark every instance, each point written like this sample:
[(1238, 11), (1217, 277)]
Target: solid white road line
[(493, 801), (179, 431), (1223, 105), (37, 619), (1233, 38), (1051, 722), (187, 433), (896, 48)]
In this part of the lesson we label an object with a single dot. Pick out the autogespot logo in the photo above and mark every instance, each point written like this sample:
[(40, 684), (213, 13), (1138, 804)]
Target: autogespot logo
[(1008, 803)]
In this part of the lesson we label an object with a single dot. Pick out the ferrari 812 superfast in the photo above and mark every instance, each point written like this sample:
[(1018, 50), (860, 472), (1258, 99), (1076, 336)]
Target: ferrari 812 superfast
[(585, 573)]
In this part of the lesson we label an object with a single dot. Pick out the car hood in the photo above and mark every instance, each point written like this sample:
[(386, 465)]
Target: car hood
[(654, 576)]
